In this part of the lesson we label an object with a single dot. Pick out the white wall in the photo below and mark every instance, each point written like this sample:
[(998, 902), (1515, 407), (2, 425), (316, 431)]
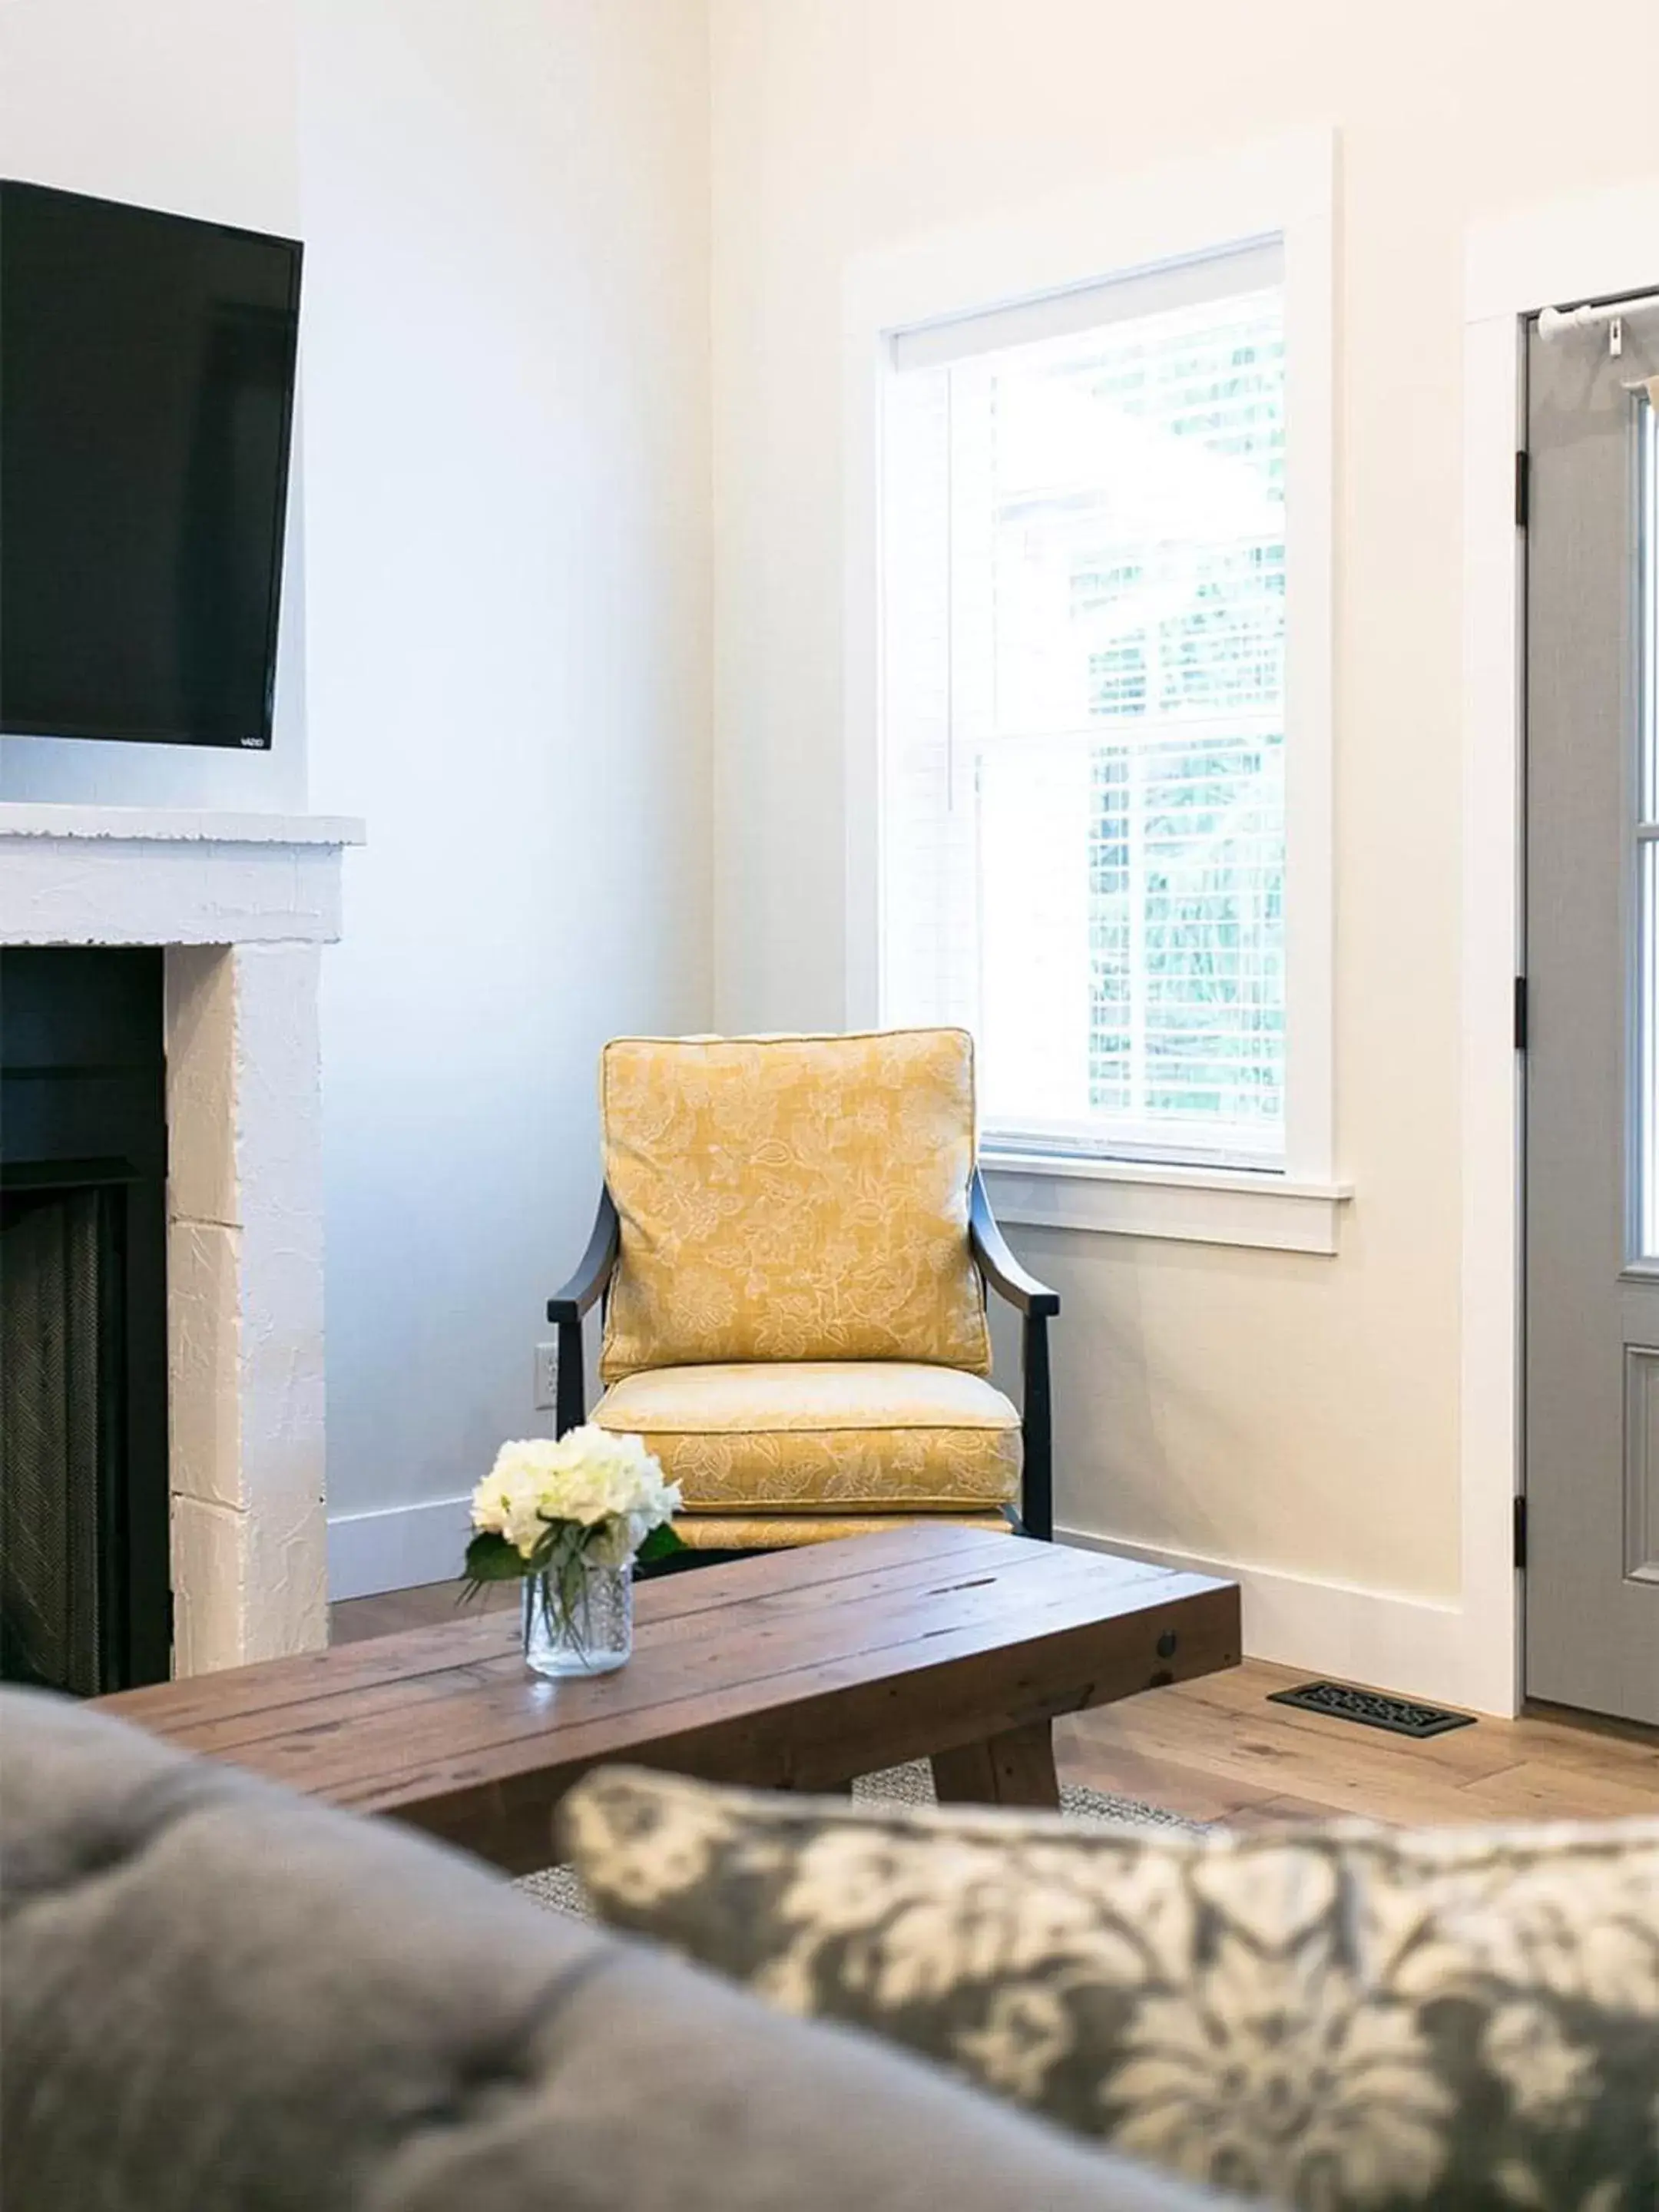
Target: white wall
[(504, 611), (1295, 1415), (506, 465)]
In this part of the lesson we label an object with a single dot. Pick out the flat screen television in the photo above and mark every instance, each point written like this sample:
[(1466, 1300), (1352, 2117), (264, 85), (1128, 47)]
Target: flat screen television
[(146, 412)]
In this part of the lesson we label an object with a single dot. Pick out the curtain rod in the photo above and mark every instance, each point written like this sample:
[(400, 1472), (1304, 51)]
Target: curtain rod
[(1554, 320)]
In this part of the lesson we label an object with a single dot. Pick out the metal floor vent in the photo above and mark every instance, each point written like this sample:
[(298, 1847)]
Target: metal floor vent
[(1370, 1708)]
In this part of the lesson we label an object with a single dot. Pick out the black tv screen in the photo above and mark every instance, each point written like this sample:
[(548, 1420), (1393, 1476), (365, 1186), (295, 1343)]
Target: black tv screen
[(146, 405)]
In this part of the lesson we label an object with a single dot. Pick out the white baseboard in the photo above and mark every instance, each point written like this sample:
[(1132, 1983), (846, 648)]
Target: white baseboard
[(1413, 1646), (396, 1549)]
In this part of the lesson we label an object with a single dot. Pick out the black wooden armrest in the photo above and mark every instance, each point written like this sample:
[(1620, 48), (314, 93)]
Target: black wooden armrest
[(1039, 1305), (595, 1270), (566, 1307), (998, 1264)]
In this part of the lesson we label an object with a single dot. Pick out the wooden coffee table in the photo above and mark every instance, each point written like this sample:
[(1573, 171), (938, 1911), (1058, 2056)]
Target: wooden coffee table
[(798, 1670)]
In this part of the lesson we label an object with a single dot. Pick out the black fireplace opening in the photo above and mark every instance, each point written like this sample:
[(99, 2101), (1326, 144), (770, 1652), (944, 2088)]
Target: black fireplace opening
[(85, 1601)]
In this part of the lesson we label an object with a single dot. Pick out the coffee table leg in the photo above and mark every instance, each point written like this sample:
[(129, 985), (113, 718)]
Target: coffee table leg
[(1015, 1768)]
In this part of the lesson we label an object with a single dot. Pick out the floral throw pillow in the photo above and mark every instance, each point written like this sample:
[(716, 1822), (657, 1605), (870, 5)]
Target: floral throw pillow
[(1344, 2019)]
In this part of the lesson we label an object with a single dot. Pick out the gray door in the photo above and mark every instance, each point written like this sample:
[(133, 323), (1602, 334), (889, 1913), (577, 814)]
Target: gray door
[(1592, 1175)]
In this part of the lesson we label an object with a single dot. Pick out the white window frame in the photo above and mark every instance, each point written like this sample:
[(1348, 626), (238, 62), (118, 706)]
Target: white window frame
[(1282, 190)]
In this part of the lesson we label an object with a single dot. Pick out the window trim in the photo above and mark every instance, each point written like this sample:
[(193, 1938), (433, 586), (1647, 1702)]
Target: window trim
[(1260, 1206), (1281, 190)]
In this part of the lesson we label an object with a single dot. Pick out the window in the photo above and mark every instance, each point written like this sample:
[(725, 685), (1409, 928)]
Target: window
[(1090, 452), (1082, 785)]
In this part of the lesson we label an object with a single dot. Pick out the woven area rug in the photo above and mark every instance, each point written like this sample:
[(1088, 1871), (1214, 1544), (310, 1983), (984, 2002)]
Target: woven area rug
[(560, 1891)]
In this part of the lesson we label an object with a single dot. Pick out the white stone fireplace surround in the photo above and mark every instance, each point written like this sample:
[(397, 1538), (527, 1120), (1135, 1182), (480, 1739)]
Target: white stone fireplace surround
[(242, 905)]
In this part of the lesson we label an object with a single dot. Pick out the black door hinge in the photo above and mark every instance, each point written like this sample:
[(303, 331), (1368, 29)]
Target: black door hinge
[(1522, 487), (1520, 1013), (170, 1620), (1521, 1533)]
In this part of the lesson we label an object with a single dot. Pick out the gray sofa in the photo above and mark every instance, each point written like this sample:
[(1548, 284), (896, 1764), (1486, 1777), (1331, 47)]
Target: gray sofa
[(218, 1997)]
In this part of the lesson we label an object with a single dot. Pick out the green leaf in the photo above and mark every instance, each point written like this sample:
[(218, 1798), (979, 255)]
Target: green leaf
[(661, 1544), (491, 1559)]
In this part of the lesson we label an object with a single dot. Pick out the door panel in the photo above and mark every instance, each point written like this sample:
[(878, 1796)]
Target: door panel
[(1641, 1464), (1592, 1203)]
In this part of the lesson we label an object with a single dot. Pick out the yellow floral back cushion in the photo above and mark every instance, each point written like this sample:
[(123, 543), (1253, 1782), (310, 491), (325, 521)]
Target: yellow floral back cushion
[(792, 1198)]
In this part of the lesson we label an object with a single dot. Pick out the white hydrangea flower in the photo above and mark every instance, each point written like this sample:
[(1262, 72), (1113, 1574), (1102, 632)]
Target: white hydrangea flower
[(589, 1476), (507, 1502)]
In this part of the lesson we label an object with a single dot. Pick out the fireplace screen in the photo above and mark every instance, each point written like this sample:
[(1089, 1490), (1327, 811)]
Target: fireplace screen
[(85, 1603), (60, 1348)]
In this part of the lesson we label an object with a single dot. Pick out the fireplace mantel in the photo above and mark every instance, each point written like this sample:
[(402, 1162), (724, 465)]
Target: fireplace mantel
[(141, 875), (243, 904)]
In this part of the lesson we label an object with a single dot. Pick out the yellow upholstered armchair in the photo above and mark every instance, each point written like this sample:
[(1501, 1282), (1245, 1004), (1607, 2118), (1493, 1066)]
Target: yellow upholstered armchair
[(792, 1246)]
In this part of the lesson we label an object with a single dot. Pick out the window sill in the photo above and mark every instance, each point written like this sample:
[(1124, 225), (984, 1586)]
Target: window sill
[(1142, 1198)]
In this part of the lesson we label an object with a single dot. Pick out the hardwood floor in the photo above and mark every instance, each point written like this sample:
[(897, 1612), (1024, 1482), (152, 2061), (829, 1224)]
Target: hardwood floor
[(1215, 1749), (357, 1617)]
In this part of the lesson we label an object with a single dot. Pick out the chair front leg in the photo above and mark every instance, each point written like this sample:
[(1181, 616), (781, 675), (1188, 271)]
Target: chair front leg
[(570, 1391), (1038, 1502)]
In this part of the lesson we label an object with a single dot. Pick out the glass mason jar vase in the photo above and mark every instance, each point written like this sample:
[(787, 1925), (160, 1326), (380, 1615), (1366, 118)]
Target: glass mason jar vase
[(578, 1620)]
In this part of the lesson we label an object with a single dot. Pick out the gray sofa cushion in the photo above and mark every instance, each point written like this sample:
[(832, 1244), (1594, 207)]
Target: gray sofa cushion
[(1342, 2019), (217, 1997)]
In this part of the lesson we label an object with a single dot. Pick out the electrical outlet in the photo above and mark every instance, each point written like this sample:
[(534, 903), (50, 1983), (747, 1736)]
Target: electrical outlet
[(547, 1378)]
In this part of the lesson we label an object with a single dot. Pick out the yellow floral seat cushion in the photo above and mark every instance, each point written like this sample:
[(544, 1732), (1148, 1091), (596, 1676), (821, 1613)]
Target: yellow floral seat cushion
[(809, 1438), (784, 1532), (792, 1198)]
